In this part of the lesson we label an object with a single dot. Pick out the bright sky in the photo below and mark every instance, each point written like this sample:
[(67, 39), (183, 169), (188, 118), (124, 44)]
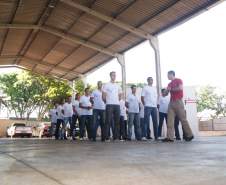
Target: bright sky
[(195, 50)]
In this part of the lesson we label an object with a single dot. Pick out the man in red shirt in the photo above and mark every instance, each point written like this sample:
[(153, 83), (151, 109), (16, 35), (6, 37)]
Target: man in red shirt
[(176, 108)]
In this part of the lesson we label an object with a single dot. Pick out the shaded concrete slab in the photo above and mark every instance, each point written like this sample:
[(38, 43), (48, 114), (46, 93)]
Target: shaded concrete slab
[(49, 162)]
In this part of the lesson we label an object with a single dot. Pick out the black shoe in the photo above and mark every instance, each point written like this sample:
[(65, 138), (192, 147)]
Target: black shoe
[(178, 138), (149, 138), (188, 138), (167, 140)]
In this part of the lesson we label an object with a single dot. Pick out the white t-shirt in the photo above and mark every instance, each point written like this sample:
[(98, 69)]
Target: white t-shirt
[(85, 101), (141, 110), (68, 110), (112, 90), (133, 103), (75, 104), (59, 112), (98, 101), (122, 108), (164, 104), (150, 96), (52, 113)]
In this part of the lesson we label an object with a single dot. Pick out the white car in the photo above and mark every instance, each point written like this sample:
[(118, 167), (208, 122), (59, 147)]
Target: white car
[(19, 130)]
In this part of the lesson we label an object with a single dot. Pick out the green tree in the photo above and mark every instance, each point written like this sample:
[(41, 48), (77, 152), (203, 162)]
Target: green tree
[(208, 99), (27, 92), (79, 86)]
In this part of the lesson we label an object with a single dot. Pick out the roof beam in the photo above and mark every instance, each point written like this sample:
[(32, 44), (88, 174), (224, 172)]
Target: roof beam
[(37, 62), (78, 40), (109, 19), (63, 35), (19, 26)]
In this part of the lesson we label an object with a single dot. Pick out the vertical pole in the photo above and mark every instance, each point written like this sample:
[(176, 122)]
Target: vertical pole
[(155, 45), (121, 60)]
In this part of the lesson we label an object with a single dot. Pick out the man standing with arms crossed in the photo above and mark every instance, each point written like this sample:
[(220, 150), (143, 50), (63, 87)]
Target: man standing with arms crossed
[(176, 108), (149, 99), (112, 94)]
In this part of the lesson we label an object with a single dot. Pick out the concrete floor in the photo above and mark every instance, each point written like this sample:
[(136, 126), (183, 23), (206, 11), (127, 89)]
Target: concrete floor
[(49, 162)]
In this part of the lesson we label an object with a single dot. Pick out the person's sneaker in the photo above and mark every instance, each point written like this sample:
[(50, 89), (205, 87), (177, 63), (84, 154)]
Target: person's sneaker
[(167, 140), (188, 138), (107, 140), (122, 140), (144, 139), (149, 138), (81, 139), (178, 139)]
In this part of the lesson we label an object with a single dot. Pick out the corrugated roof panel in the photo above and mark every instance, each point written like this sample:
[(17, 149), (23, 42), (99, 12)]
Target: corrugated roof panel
[(41, 45), (6, 10), (78, 57), (29, 11), (14, 41), (60, 51), (62, 16)]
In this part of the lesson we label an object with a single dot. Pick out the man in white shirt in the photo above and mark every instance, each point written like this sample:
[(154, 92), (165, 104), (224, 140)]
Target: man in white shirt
[(86, 120), (112, 93), (67, 113), (163, 109), (76, 111), (149, 99), (133, 105), (53, 117), (60, 120), (98, 110)]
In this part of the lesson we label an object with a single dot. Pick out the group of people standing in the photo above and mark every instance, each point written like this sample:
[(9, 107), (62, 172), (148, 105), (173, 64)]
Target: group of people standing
[(116, 115)]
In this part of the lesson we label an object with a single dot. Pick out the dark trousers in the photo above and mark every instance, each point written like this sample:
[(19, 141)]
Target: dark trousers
[(59, 122), (162, 117), (75, 119), (142, 127), (150, 111), (134, 119), (123, 128), (99, 119), (112, 112), (86, 122)]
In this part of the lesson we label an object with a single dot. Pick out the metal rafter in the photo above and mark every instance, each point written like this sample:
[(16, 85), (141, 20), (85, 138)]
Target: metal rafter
[(100, 29), (68, 37), (109, 19), (70, 27), (143, 22), (36, 62), (11, 20), (51, 4)]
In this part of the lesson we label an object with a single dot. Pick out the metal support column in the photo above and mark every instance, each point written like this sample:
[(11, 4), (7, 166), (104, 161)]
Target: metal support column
[(121, 61), (155, 45)]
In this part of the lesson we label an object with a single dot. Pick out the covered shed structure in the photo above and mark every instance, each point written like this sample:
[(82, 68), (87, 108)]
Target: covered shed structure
[(67, 39)]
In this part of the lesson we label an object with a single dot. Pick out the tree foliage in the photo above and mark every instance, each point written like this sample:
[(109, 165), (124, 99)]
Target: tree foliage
[(27, 92), (208, 99)]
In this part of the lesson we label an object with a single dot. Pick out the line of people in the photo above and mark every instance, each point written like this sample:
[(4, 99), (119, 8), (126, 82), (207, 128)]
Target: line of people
[(107, 108)]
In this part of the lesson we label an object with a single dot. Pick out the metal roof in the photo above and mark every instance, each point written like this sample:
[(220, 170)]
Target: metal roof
[(69, 38)]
